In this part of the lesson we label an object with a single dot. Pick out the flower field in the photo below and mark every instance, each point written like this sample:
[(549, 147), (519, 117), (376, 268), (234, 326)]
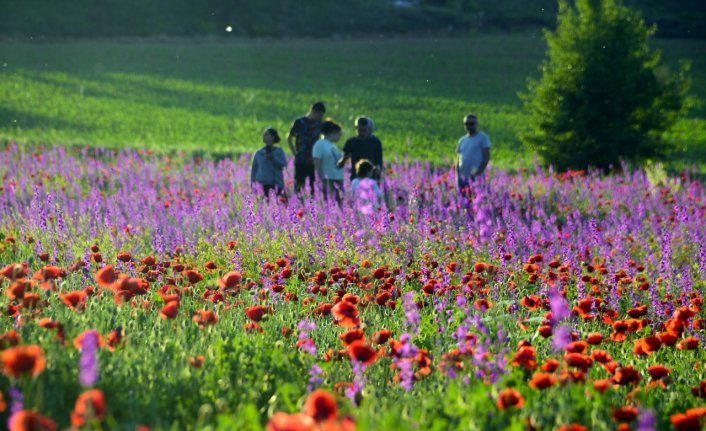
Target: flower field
[(154, 292)]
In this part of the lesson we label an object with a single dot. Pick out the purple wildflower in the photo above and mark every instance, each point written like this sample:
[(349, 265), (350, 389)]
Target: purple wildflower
[(88, 362)]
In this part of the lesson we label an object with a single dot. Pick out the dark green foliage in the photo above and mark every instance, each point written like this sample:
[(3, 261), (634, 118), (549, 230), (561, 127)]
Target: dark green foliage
[(602, 96), (318, 18)]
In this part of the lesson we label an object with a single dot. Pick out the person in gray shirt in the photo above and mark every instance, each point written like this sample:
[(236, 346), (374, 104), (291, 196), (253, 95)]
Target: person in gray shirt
[(473, 153), (268, 163)]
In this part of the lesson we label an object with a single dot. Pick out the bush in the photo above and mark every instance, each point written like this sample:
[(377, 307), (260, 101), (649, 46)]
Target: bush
[(602, 96)]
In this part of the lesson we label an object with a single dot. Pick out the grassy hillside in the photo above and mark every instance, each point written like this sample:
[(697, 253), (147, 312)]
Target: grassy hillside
[(218, 95), (318, 18)]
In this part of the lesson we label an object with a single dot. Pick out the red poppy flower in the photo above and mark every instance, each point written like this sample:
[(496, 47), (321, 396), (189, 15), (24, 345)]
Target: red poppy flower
[(576, 347), (230, 279), (256, 312), (550, 365), (114, 339), (351, 336), (686, 422), (23, 360), (688, 343), (75, 300), (362, 352), (482, 304), (9, 339), (90, 406), (572, 427), (601, 356), (149, 261), (18, 288), (637, 311), (578, 360), (204, 317), (624, 414), (196, 361), (381, 336), (192, 276), (124, 256), (509, 398), (684, 313), (28, 420), (379, 273), (170, 310), (525, 357), (668, 338), (49, 272), (658, 371), (346, 314), (14, 271), (602, 385), (545, 331), (321, 406), (531, 302), (699, 391), (106, 276), (541, 381), (281, 421), (594, 338), (626, 375)]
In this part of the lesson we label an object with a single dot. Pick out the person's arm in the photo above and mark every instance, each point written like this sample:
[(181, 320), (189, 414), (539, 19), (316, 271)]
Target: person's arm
[(486, 158), (319, 169), (253, 169), (346, 155), (291, 137), (279, 159), (342, 161)]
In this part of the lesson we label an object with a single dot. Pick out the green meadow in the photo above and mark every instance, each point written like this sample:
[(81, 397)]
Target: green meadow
[(216, 95)]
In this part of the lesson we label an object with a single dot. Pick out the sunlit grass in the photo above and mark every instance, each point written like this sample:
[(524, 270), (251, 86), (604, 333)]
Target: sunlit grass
[(217, 96)]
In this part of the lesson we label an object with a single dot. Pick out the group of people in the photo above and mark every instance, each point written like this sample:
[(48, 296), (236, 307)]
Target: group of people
[(313, 142)]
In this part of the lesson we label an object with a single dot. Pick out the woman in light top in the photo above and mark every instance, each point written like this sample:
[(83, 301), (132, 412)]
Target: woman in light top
[(364, 189), (326, 155), (268, 163)]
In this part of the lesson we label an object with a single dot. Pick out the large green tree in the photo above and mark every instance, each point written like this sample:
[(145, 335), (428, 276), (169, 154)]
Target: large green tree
[(602, 96)]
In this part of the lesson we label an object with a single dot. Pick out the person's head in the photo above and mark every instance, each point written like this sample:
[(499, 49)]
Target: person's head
[(317, 111), (470, 122), (331, 130), (364, 168), (270, 136), (362, 125)]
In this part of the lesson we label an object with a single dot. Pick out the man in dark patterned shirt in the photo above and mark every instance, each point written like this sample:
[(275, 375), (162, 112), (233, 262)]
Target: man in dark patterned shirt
[(305, 131)]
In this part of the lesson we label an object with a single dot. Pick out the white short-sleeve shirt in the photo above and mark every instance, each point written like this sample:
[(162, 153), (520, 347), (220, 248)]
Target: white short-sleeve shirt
[(327, 152)]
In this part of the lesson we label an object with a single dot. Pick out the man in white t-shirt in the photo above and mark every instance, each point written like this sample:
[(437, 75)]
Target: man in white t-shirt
[(326, 156), (473, 153)]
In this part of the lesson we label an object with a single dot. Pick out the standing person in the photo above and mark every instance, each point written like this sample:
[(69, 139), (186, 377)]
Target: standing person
[(473, 154), (363, 146), (268, 163), (301, 138), (326, 157), (365, 191)]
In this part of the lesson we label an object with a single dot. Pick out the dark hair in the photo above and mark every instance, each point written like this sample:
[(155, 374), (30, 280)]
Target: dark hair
[(274, 134), (361, 121), (330, 127), (363, 168), (318, 107)]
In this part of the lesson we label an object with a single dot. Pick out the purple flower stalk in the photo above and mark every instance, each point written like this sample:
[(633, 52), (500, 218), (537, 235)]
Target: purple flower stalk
[(88, 362), (315, 379)]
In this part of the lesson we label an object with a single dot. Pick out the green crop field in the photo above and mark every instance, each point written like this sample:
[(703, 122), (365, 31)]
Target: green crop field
[(216, 95)]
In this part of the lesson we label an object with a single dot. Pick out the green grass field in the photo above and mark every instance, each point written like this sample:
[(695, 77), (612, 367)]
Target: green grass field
[(217, 95)]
